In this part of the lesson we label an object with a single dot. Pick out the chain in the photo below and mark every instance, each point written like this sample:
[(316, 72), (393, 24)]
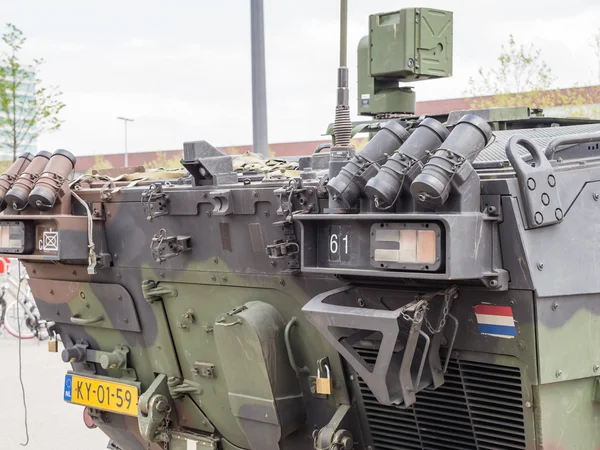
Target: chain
[(449, 294), (167, 430), (422, 307), (418, 315)]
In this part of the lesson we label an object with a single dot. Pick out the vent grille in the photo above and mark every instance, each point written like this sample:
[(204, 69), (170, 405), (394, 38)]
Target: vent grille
[(479, 407)]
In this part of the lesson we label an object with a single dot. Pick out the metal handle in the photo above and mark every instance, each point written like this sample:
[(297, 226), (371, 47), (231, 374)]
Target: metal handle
[(78, 320), (560, 141), (288, 346)]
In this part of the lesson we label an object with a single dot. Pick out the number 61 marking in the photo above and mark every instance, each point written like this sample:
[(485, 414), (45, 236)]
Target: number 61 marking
[(334, 245)]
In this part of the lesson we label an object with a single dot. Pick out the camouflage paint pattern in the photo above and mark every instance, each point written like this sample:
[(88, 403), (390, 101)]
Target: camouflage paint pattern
[(212, 319)]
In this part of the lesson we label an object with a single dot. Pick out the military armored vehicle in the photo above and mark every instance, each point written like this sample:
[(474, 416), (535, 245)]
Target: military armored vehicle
[(437, 290)]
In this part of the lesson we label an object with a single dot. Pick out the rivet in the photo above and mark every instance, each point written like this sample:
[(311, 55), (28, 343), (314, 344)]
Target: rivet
[(554, 306), (596, 196), (267, 213), (273, 263), (213, 278), (351, 377), (161, 274), (512, 302), (282, 282), (51, 291), (558, 214), (224, 278), (255, 193), (119, 297), (558, 373), (119, 275), (209, 213), (126, 320), (216, 260), (540, 265), (528, 404), (74, 272), (545, 199), (596, 368), (521, 345), (33, 271)]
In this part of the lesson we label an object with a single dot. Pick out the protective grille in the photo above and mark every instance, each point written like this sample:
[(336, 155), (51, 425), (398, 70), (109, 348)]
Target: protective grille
[(480, 407)]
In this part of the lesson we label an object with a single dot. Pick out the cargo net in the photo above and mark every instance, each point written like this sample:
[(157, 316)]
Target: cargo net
[(271, 167), (245, 163)]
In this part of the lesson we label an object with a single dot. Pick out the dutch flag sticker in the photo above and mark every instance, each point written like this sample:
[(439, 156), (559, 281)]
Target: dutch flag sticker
[(496, 321)]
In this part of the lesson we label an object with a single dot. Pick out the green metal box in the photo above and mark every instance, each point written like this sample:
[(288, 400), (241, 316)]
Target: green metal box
[(411, 44)]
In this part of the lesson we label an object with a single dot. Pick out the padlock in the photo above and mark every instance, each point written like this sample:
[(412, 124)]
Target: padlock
[(52, 344), (324, 385)]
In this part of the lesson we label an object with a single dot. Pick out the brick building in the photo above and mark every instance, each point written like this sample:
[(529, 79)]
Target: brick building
[(556, 103)]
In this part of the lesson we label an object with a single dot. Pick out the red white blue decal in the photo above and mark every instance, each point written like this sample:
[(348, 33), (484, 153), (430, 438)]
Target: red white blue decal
[(496, 321)]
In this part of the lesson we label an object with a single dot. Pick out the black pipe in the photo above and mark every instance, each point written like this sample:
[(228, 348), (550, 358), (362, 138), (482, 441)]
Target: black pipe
[(405, 164), (431, 187), (345, 188)]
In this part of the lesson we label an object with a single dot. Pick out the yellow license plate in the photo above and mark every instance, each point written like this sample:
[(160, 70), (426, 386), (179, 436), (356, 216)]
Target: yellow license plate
[(101, 394)]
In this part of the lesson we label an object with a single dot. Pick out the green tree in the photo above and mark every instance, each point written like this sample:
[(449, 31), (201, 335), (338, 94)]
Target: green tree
[(27, 109), (518, 80), (523, 78)]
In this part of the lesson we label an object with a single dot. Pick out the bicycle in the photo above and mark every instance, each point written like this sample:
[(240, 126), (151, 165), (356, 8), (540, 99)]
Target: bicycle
[(19, 316)]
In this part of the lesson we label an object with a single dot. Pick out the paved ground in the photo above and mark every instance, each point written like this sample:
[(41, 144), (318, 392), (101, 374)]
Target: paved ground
[(53, 424)]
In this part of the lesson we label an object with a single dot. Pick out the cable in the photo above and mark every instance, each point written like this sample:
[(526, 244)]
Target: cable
[(20, 360)]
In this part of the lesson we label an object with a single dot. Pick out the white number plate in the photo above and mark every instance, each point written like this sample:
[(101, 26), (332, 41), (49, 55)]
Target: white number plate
[(339, 243)]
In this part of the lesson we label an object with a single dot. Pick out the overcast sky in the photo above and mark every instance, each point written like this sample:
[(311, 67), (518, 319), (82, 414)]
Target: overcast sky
[(181, 68)]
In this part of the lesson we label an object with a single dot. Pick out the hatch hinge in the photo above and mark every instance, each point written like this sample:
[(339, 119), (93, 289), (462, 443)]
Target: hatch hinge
[(153, 291)]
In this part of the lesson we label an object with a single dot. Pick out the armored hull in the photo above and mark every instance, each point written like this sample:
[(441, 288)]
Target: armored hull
[(238, 310)]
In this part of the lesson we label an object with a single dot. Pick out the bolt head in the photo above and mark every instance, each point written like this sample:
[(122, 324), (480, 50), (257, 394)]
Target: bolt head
[(161, 405), (558, 373), (540, 265), (554, 306), (528, 404), (596, 368)]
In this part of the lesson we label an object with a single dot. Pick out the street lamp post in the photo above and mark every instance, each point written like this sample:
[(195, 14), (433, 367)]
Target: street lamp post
[(125, 120)]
